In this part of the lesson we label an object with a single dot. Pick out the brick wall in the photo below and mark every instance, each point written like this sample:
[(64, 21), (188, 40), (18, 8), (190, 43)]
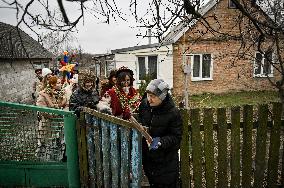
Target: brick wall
[(16, 81), (229, 73)]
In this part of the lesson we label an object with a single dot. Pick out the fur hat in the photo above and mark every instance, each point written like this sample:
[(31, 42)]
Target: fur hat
[(159, 88), (86, 76), (45, 71), (124, 69)]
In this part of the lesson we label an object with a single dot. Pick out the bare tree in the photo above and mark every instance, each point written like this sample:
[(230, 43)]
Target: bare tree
[(260, 22), (57, 42), (260, 28)]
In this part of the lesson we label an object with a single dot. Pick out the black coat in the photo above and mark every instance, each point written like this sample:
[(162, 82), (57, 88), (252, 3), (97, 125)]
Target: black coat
[(82, 98), (162, 165)]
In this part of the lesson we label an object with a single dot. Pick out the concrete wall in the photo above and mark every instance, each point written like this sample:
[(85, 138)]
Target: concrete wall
[(16, 81)]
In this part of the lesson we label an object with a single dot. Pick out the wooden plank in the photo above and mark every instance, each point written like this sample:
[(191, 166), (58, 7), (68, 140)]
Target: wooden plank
[(222, 148), (106, 153), (82, 150), (235, 147), (115, 166), (209, 147), (274, 146), (247, 146), (124, 174), (282, 172), (260, 146), (184, 151), (136, 160), (196, 147), (98, 153), (90, 148)]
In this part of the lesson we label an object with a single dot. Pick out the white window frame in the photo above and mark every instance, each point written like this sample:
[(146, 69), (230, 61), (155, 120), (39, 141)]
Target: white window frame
[(146, 64), (262, 74), (199, 78)]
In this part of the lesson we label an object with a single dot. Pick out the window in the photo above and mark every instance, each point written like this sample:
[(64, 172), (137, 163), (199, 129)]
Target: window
[(201, 66), (232, 4), (110, 65), (98, 69), (147, 65), (263, 65)]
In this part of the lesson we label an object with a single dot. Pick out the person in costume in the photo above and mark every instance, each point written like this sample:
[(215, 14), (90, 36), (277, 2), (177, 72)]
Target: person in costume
[(46, 74), (85, 95), (50, 146), (159, 114), (110, 82), (124, 99)]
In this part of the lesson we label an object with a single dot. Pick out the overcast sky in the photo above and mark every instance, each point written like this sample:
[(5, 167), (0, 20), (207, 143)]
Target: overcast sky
[(93, 36)]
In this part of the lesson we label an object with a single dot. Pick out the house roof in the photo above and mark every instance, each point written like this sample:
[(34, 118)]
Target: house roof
[(155, 45), (173, 35), (15, 43), (183, 26)]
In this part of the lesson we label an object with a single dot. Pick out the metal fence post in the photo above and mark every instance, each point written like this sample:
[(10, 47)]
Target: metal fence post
[(71, 150)]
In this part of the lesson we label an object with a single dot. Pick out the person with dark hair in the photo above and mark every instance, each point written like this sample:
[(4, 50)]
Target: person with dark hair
[(110, 83), (124, 99), (159, 114), (85, 95)]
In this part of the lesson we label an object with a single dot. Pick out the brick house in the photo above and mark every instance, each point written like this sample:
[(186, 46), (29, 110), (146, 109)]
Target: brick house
[(211, 60), (20, 55)]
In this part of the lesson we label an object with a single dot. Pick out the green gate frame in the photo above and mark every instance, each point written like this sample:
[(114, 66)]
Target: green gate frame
[(45, 174)]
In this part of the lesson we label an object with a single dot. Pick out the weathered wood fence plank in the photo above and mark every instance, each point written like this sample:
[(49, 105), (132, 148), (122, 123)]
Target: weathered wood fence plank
[(208, 147), (98, 154), (261, 146), (136, 152), (222, 148), (235, 147), (184, 153), (106, 153), (274, 146), (91, 150), (82, 149), (114, 156), (124, 178), (247, 146), (196, 147)]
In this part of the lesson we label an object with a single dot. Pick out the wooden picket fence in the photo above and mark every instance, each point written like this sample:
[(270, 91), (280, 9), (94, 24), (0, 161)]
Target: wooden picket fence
[(232, 148), (110, 152), (236, 147)]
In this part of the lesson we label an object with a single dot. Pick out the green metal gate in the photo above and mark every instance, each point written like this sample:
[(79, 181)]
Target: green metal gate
[(32, 147)]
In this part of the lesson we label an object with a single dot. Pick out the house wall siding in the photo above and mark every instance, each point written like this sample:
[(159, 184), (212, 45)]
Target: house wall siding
[(229, 72), (165, 65), (17, 80)]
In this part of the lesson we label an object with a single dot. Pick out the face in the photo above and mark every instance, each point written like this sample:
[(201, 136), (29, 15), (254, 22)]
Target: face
[(38, 73), (48, 76), (58, 85), (88, 85), (126, 81), (113, 79), (153, 99)]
